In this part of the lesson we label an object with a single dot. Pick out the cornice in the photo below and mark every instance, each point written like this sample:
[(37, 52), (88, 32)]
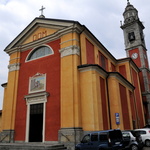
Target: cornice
[(75, 28), (98, 43), (131, 23), (36, 98), (36, 95), (133, 47), (144, 68), (71, 50), (130, 61), (14, 67), (4, 85), (91, 67), (121, 79)]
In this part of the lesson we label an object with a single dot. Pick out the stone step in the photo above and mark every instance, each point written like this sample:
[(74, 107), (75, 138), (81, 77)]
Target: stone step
[(31, 146)]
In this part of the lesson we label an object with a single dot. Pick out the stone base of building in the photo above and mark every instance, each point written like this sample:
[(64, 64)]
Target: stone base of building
[(7, 136), (70, 137)]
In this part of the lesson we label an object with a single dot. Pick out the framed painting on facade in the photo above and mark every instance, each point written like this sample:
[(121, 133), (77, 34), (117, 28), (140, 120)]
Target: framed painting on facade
[(37, 83)]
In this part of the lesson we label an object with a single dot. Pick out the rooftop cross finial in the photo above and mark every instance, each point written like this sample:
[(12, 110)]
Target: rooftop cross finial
[(42, 8), (128, 2)]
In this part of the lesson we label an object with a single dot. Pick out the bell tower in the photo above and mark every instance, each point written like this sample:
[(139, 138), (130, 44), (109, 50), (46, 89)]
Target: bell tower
[(136, 49)]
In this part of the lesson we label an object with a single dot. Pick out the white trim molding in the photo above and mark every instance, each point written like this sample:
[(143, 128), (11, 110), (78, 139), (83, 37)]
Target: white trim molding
[(37, 83), (35, 48), (35, 99), (71, 50), (14, 67)]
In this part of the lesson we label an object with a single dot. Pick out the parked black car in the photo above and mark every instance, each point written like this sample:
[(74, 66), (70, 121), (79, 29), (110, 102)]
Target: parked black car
[(102, 140), (132, 141), (147, 126)]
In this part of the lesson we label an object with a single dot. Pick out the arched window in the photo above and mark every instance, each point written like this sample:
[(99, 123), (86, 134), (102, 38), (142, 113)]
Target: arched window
[(40, 52)]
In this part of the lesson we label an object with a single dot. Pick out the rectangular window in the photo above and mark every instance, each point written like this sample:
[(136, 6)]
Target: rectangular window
[(103, 137), (104, 103), (103, 61), (138, 99), (122, 71), (113, 68), (133, 110), (89, 52), (94, 137), (36, 108), (124, 105)]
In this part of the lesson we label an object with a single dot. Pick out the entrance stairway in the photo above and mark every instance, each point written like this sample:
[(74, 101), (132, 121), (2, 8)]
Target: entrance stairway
[(31, 146)]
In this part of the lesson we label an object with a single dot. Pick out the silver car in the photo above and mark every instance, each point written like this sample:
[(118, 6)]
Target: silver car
[(132, 141)]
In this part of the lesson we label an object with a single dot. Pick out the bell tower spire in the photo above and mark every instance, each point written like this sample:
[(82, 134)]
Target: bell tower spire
[(128, 2), (136, 49), (132, 27)]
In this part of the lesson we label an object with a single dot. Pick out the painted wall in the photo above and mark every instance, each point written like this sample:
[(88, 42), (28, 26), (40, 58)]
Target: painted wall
[(51, 66), (10, 93), (138, 99)]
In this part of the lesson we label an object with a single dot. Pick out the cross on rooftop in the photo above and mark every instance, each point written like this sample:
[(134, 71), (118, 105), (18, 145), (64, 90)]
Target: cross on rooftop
[(42, 8)]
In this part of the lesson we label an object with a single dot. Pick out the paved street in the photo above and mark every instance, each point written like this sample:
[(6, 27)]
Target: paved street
[(146, 148)]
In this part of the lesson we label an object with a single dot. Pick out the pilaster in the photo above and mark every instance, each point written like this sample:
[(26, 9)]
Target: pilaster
[(71, 129), (10, 97)]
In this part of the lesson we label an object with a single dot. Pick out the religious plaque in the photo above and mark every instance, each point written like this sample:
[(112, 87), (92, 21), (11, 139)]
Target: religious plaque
[(37, 83)]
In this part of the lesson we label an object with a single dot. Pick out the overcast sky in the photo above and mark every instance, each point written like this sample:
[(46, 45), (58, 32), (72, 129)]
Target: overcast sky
[(101, 17)]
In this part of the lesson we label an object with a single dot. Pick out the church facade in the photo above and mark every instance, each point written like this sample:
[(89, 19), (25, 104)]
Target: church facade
[(63, 82)]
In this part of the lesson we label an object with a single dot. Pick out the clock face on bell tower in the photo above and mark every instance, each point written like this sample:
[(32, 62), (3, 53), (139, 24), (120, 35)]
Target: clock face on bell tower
[(134, 56)]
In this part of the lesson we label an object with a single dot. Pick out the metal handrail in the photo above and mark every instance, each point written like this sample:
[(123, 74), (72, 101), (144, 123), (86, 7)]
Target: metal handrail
[(3, 137)]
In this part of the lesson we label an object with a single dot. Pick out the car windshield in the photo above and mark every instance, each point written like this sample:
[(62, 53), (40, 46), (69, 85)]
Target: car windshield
[(86, 139)]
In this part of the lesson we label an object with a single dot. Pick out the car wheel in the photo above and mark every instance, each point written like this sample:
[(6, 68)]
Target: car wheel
[(147, 143), (134, 147)]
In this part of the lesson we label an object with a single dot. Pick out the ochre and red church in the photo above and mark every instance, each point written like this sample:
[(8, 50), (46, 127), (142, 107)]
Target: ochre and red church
[(62, 82)]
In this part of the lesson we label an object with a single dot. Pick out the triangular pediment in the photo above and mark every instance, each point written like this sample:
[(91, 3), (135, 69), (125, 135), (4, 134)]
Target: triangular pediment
[(39, 33), (39, 28)]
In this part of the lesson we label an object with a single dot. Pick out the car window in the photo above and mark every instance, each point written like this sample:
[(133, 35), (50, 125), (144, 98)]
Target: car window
[(126, 135), (94, 137), (142, 132), (116, 134), (103, 137), (135, 134), (86, 139)]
